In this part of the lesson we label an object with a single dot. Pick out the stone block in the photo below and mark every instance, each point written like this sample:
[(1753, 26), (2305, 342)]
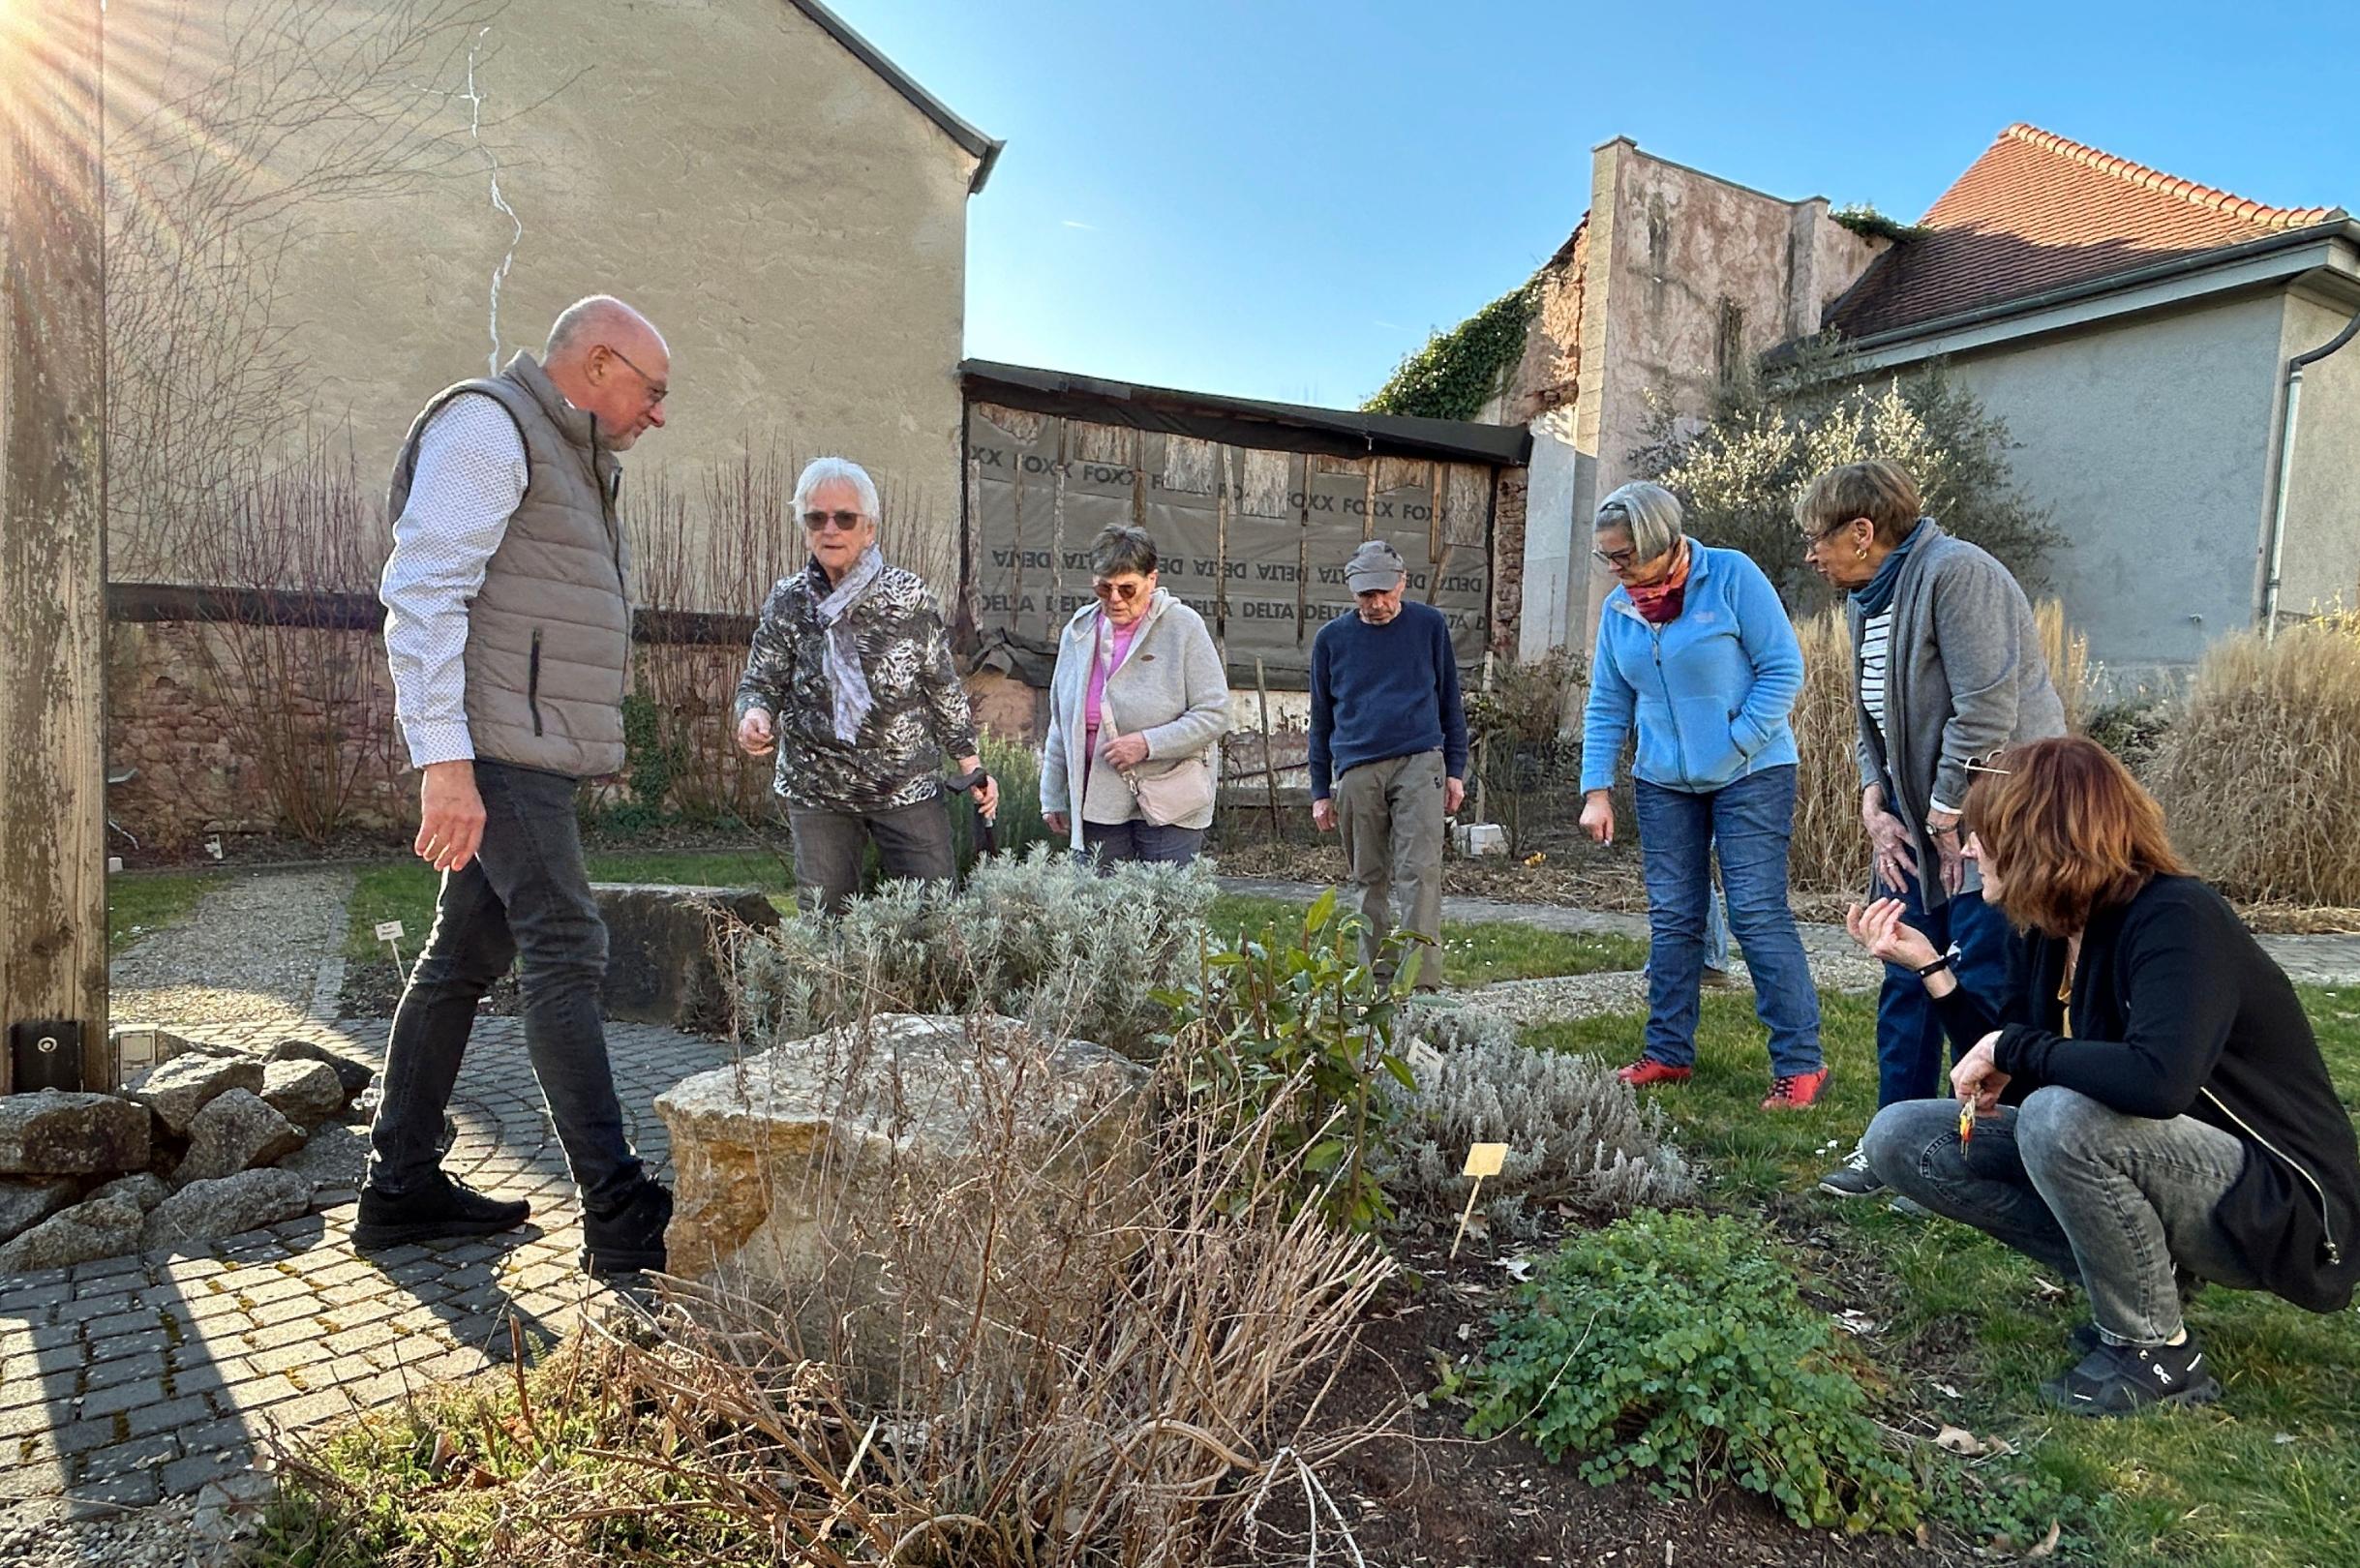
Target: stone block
[(146, 1188), (769, 1153), (209, 1211), (54, 1133), (178, 1088), (235, 1131), (335, 1159), (305, 1093), (94, 1228), (354, 1075), (25, 1201), (664, 946)]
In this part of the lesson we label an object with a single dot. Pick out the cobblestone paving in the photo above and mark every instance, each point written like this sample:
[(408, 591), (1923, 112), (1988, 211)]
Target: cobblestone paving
[(130, 1379)]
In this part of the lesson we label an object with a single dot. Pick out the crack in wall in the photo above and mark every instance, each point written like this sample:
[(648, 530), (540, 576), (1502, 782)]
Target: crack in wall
[(499, 273)]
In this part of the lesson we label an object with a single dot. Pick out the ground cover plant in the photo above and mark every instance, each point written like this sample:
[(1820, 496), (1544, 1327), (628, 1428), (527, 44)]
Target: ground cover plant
[(141, 904), (1965, 1329)]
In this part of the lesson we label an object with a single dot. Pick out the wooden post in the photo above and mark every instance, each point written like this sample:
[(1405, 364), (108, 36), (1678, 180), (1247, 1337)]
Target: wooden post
[(52, 529), (1270, 764)]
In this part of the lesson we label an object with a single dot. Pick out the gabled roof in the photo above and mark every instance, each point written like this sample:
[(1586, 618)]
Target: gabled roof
[(982, 147), (2037, 212)]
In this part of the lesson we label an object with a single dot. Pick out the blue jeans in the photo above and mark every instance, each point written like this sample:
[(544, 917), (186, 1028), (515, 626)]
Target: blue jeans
[(1111, 843), (1716, 933), (1909, 1030), (1750, 822), (525, 894)]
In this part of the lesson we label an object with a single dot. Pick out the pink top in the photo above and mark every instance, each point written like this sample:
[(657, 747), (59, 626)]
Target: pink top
[(1099, 671)]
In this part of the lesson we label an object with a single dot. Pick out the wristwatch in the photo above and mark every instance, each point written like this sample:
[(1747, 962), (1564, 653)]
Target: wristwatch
[(1946, 961)]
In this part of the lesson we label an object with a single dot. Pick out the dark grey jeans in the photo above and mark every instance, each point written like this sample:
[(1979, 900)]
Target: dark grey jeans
[(914, 841), (2122, 1203), (1390, 814), (1112, 843), (526, 896)]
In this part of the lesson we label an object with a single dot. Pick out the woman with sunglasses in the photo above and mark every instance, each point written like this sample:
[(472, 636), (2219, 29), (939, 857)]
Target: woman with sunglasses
[(850, 680), (2141, 1104), (1695, 652), (1948, 665), (1137, 707)]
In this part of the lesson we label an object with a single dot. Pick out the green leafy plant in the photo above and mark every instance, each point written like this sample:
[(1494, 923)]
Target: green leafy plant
[(1460, 371), (1678, 1345), (1864, 219), (1295, 1026)]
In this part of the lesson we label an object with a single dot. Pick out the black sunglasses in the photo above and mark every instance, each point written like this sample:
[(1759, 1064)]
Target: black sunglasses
[(844, 522)]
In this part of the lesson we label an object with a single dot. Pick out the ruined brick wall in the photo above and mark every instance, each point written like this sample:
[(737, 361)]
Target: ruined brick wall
[(1508, 560)]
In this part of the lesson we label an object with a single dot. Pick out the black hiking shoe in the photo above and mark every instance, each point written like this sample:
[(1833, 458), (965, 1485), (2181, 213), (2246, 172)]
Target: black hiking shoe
[(436, 1208), (2119, 1379), (629, 1239), (2084, 1338), (1853, 1178)]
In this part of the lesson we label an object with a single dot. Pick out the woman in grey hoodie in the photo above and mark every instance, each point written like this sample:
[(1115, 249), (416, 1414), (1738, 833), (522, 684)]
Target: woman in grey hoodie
[(1137, 707)]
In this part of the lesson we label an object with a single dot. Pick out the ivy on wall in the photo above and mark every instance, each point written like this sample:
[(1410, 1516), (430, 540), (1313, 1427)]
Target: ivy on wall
[(1458, 371), (1863, 220)]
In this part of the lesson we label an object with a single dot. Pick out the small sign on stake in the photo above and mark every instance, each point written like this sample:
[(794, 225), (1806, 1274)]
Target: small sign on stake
[(389, 932), (1482, 1160)]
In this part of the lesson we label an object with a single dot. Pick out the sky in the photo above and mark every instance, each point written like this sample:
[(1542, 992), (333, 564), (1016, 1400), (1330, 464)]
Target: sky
[(1282, 200)]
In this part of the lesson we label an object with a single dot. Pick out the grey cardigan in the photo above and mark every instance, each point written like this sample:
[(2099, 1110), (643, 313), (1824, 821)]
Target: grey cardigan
[(1171, 688), (1964, 676)]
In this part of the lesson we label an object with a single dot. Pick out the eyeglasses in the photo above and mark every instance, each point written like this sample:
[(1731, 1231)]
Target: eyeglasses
[(842, 521), (1812, 541), (1618, 559), (1988, 763), (657, 391), (1125, 591)]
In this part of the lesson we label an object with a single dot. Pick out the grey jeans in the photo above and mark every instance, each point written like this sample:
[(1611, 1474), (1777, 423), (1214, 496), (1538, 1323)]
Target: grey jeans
[(526, 896), (913, 841), (2123, 1203), (1390, 816)]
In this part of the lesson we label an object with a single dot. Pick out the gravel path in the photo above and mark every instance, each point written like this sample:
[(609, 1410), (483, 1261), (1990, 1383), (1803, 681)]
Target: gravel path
[(266, 948), (51, 1533)]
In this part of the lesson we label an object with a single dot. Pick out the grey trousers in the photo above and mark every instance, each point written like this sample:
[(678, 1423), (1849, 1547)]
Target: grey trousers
[(913, 841), (2123, 1203), (1390, 816)]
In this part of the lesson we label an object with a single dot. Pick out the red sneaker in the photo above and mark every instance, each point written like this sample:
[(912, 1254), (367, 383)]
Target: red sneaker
[(1646, 1069), (1796, 1093)]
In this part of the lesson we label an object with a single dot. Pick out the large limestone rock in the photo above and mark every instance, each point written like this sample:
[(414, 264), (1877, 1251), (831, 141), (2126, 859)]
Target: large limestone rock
[(771, 1154), (336, 1160), (96, 1228), (25, 1201), (354, 1075), (663, 963), (180, 1088), (235, 1132), (305, 1093), (54, 1133), (209, 1211)]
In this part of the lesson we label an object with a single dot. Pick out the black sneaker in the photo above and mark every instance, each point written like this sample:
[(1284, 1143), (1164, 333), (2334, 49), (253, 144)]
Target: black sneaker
[(629, 1239), (436, 1208), (1853, 1178), (2084, 1338), (2119, 1379)]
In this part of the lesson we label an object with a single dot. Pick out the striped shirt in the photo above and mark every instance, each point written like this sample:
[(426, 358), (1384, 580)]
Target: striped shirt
[(1876, 648), (470, 480)]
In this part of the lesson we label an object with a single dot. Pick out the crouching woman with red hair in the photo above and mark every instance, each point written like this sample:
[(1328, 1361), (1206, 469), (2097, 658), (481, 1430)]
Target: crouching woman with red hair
[(2144, 1108)]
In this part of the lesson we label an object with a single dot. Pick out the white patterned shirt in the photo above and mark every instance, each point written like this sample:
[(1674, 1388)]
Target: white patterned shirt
[(468, 481), (1876, 654)]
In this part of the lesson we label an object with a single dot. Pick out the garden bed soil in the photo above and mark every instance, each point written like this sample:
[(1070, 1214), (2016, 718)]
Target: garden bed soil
[(1426, 1494)]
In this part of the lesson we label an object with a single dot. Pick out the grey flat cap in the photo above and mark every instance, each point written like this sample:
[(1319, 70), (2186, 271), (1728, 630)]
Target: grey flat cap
[(1375, 565)]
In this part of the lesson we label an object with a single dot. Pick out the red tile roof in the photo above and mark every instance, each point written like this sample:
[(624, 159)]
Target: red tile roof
[(2037, 211)]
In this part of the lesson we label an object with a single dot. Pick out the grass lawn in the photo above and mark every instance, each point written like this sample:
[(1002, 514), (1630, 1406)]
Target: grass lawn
[(2268, 1478), (139, 905), (407, 892), (1475, 952)]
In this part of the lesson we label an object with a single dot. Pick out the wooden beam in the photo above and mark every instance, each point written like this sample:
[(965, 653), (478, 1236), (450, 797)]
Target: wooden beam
[(52, 529)]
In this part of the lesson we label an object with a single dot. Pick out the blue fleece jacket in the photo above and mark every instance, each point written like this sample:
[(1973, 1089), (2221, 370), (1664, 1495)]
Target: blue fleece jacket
[(1711, 690), (1384, 691)]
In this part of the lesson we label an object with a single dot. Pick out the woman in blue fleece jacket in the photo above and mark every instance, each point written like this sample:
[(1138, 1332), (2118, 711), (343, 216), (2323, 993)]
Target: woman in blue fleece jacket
[(1696, 650)]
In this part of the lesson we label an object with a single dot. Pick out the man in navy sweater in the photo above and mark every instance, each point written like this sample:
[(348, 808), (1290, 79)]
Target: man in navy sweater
[(1388, 746)]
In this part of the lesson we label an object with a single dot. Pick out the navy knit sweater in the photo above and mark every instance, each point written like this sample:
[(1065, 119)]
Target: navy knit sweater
[(1378, 692)]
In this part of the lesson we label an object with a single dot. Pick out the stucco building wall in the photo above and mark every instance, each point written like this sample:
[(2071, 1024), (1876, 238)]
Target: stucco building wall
[(2148, 434), (2322, 559), (793, 223)]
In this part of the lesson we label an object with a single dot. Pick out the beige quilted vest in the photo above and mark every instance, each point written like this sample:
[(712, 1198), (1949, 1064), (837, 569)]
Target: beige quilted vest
[(549, 634)]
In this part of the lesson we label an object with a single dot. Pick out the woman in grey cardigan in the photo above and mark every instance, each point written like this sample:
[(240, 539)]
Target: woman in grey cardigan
[(1948, 669), (1137, 707)]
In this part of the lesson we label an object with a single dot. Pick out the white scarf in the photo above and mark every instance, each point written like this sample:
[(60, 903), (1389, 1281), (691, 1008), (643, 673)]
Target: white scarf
[(847, 681)]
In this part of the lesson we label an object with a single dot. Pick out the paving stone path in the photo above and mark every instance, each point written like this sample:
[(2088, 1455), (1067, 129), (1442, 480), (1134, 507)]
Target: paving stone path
[(130, 1379)]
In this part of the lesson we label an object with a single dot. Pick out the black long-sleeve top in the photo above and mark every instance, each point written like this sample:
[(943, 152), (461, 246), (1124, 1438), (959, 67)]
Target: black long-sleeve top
[(2177, 1011)]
